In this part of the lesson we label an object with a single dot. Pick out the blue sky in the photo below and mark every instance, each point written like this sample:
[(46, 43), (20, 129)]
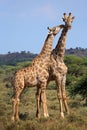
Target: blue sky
[(23, 23)]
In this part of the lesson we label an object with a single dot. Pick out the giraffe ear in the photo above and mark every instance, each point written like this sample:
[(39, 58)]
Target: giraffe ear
[(49, 28), (70, 13), (73, 17), (63, 19), (64, 13)]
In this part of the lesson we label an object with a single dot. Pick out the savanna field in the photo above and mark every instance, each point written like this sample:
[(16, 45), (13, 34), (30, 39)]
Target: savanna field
[(76, 88)]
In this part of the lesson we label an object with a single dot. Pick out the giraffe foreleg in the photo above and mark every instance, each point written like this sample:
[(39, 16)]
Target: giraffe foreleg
[(43, 100), (59, 95), (64, 94), (38, 101)]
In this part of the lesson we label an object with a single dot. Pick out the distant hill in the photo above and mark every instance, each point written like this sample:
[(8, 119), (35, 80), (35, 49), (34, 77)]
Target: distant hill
[(80, 52), (13, 58)]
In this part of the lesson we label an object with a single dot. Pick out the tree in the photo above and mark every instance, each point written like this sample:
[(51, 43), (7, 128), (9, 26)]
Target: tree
[(80, 88)]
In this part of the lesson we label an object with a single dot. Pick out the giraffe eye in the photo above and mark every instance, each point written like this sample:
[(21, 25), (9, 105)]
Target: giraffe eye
[(71, 21)]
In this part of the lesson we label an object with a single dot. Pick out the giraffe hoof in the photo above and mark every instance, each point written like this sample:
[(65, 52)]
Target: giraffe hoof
[(68, 112), (38, 116), (46, 115), (17, 119), (12, 119), (62, 115)]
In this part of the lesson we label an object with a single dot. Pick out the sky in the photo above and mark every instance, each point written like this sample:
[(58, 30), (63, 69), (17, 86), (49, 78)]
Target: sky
[(23, 23)]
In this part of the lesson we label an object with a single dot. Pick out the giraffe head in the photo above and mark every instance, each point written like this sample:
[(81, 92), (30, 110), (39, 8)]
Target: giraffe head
[(68, 20), (55, 29)]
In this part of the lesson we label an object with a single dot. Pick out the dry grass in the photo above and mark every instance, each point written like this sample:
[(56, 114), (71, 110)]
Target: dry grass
[(76, 120)]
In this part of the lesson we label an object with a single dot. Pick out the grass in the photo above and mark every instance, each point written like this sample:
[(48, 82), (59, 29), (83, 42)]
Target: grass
[(77, 119)]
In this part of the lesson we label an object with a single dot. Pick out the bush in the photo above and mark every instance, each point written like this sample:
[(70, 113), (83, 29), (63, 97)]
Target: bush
[(80, 88)]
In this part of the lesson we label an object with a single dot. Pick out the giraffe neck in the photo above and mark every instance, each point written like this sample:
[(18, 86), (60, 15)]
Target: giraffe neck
[(60, 47), (46, 50)]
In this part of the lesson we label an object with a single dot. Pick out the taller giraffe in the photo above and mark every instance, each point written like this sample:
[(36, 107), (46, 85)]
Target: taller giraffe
[(58, 69), (34, 75), (58, 66)]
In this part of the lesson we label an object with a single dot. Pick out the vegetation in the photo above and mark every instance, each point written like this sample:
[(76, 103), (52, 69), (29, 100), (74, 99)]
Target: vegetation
[(80, 88), (76, 87)]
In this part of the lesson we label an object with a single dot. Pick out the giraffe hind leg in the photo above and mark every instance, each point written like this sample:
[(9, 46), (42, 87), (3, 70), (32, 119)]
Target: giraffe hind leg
[(15, 105), (13, 109), (16, 110)]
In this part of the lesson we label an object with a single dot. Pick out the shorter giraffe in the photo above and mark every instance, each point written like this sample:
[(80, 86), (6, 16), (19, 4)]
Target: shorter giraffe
[(58, 69), (34, 75)]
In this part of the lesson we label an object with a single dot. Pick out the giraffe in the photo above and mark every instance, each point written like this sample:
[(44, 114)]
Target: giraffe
[(58, 69), (34, 75)]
